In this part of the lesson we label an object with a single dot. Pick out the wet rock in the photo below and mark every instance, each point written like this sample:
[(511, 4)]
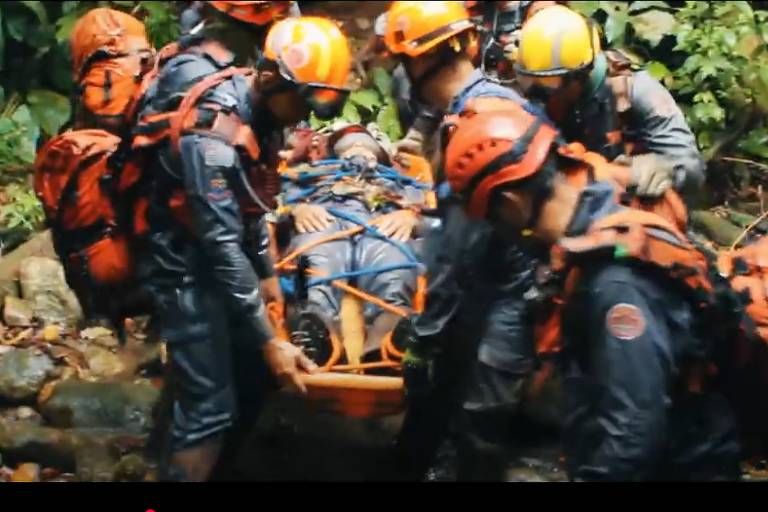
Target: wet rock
[(99, 336), (51, 333), (64, 477), (44, 286), (17, 312), (124, 444), (92, 333), (524, 475), (26, 473), (545, 407), (24, 414), (71, 357), (94, 461), (131, 468), (48, 474), (123, 405), (23, 373), (103, 364), (21, 442), (151, 359), (9, 288)]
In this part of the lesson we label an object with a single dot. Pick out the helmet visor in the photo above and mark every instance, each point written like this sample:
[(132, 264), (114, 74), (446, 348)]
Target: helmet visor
[(325, 101)]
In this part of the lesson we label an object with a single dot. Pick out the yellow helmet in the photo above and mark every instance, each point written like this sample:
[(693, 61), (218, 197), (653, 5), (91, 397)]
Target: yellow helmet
[(556, 41), (414, 28)]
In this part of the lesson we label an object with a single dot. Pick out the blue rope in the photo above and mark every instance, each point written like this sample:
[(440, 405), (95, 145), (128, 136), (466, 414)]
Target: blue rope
[(375, 232), (382, 171), (357, 273)]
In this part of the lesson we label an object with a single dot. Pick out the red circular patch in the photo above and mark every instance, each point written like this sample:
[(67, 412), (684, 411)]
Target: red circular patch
[(625, 321), (296, 56)]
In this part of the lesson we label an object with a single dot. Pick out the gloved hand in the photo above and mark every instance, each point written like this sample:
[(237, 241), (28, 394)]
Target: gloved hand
[(287, 362), (310, 218), (270, 290), (651, 174), (411, 144), (398, 225)]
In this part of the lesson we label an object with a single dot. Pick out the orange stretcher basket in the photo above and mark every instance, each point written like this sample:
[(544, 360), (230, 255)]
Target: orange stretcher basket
[(350, 389)]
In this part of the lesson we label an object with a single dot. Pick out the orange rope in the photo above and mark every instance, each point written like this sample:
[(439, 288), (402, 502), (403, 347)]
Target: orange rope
[(390, 347), (358, 293), (314, 243), (336, 349), (364, 366)]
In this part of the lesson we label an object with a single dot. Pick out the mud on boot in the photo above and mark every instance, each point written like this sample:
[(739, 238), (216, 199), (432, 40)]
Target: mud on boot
[(312, 335)]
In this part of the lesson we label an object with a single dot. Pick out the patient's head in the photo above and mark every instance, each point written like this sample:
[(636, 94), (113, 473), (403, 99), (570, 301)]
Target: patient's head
[(367, 143)]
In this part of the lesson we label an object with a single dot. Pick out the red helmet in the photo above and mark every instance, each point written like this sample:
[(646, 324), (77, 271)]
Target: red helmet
[(493, 148)]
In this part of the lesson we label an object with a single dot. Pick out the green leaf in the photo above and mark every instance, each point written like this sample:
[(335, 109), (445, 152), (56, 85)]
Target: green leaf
[(16, 24), (314, 122), (64, 26), (366, 98), (658, 70), (382, 80), (350, 113), (616, 24), (586, 8), (654, 25), (41, 37), (50, 110), (637, 7), (760, 88), (743, 8), (389, 121), (2, 42), (755, 143), (39, 9), (68, 7), (58, 68), (24, 150)]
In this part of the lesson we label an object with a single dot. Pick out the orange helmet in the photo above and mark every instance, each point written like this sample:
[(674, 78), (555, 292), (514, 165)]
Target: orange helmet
[(313, 53), (108, 30), (494, 148), (256, 13), (414, 28)]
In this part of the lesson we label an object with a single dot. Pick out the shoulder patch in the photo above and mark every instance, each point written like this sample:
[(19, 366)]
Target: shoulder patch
[(217, 154), (218, 190), (625, 321)]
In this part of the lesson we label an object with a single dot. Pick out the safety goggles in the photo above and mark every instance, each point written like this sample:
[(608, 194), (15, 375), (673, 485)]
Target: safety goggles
[(325, 100)]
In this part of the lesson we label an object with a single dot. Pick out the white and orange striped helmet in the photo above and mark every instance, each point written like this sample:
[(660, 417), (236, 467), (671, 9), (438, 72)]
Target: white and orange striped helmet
[(314, 54)]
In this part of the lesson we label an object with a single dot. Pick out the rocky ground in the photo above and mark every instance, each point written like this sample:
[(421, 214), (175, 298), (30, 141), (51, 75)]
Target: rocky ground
[(76, 405)]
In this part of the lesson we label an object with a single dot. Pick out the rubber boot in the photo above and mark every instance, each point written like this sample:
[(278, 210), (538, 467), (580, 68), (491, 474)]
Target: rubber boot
[(384, 324), (193, 464)]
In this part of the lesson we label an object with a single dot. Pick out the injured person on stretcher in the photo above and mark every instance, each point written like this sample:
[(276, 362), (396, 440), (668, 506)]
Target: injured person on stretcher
[(349, 222)]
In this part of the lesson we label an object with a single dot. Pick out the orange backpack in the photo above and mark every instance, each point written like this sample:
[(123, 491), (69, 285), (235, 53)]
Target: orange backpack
[(75, 183), (730, 298), (262, 183), (747, 271), (111, 54), (744, 271)]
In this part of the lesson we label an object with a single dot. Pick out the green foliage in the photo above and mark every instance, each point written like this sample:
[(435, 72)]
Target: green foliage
[(23, 213), (374, 104), (18, 135), (36, 79), (712, 55), (724, 78)]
